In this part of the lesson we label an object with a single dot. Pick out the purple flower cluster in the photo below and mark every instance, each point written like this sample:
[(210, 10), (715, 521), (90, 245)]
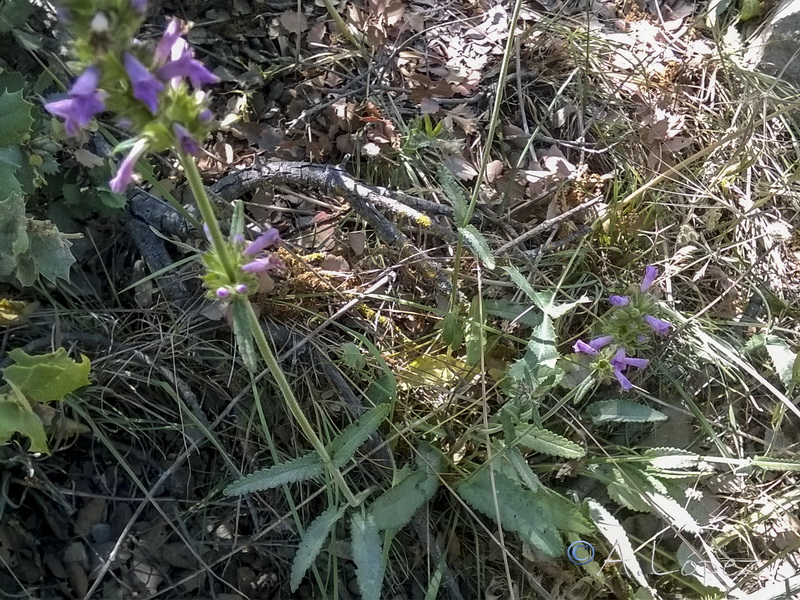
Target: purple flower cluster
[(252, 259), (172, 63), (632, 308)]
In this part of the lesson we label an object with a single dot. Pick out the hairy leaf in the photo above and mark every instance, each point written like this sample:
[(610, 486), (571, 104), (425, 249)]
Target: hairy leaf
[(382, 389), (616, 535), (368, 555), (519, 510), (15, 118), (477, 243), (17, 416), (301, 468), (13, 226), (547, 442), (397, 506), (344, 445), (244, 336), (311, 543), (622, 410), (47, 377), (49, 253), (452, 332)]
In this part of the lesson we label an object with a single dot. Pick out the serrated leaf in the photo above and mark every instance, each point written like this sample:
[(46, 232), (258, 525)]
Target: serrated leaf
[(545, 301), (344, 446), (521, 469), (14, 14), (676, 463), (477, 243), (625, 489), (352, 357), (776, 464), (308, 466), (781, 356), (47, 377), (17, 416), (562, 513), (311, 543), (367, 555), (512, 311), (517, 508), (15, 118), (670, 510), (522, 283), (49, 250), (612, 530), (13, 229), (622, 410), (382, 389), (547, 442), (395, 508)]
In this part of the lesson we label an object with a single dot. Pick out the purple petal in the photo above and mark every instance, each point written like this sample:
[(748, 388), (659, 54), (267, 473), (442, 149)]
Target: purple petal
[(618, 362), (67, 110), (205, 116), (187, 143), (624, 382), (241, 288), (271, 237), (650, 274), (146, 87), (601, 342), (124, 176), (638, 363), (583, 347), (86, 84), (268, 263), (657, 325), (223, 293), (167, 42), (187, 66), (82, 104), (139, 6), (619, 300)]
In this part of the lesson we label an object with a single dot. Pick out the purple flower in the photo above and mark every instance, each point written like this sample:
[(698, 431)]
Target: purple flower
[(650, 274), (619, 300), (241, 288), (187, 143), (622, 362), (187, 66), (267, 263), (205, 116), (145, 85), (601, 342), (624, 382), (223, 293), (271, 237), (83, 102), (657, 325), (139, 6), (583, 347), (168, 41), (124, 176)]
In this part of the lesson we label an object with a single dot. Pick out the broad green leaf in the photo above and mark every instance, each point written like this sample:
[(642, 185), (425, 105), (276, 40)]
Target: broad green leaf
[(562, 513), (475, 333), (750, 9), (244, 336), (518, 509), (382, 389), (433, 371), (47, 377), (311, 543), (49, 250), (15, 118), (477, 243), (352, 357), (367, 555), (547, 442), (452, 332), (612, 530), (622, 410), (397, 506), (308, 466), (522, 470), (13, 228), (545, 301), (665, 506), (17, 416), (626, 488), (512, 311), (344, 445), (14, 13)]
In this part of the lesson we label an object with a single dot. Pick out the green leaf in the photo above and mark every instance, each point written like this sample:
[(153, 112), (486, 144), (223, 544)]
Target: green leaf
[(344, 446), (522, 283), (518, 509), (475, 334), (15, 118), (781, 356), (352, 357), (311, 543), (617, 537), (454, 193), (383, 389), (452, 332), (545, 301), (395, 508), (626, 489), (676, 463), (477, 243), (308, 466), (522, 471), (368, 555), (49, 252), (750, 9), (47, 377), (17, 416), (13, 229), (623, 411), (512, 311), (547, 442), (244, 336), (776, 464)]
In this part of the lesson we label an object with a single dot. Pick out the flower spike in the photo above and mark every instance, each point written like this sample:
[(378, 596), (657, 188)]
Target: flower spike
[(650, 274)]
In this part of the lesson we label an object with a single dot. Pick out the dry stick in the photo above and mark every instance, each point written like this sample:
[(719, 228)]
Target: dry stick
[(547, 225)]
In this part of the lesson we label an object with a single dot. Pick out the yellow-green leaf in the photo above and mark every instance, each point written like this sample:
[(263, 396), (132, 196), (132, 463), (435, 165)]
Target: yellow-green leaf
[(46, 377), (16, 416)]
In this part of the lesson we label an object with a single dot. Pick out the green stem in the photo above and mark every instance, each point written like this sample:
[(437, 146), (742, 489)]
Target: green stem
[(294, 405), (207, 212)]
